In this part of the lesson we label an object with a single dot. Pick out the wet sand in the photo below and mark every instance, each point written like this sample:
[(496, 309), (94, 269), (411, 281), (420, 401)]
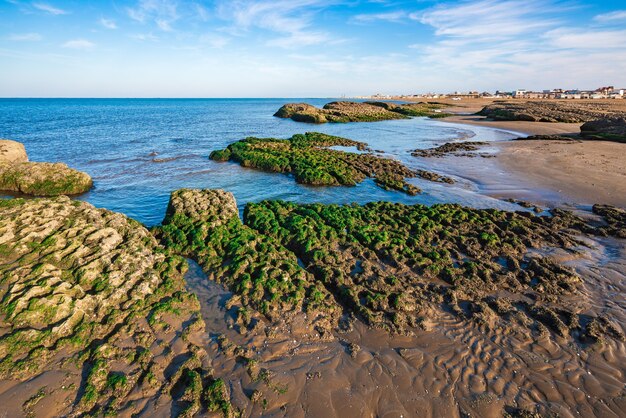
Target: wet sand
[(577, 173), (456, 368)]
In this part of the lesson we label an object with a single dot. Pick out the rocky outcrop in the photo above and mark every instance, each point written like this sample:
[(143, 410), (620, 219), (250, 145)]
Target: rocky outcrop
[(12, 152), (459, 149), (615, 219), (17, 175), (341, 112), (43, 179), (611, 129), (545, 111), (265, 277), (311, 161), (91, 302)]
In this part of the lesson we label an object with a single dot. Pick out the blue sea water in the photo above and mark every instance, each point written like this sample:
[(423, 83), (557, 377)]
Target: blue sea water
[(139, 150)]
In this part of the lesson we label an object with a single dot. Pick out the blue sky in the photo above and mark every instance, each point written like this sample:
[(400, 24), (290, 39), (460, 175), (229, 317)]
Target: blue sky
[(306, 48)]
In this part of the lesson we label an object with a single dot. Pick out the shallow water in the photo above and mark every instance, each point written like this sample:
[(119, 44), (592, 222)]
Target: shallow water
[(139, 150)]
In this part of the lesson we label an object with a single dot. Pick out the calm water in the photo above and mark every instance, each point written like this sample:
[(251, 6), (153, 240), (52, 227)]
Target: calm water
[(139, 150)]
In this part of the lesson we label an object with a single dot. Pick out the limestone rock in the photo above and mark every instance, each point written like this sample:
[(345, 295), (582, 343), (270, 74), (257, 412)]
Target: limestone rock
[(12, 152), (38, 179)]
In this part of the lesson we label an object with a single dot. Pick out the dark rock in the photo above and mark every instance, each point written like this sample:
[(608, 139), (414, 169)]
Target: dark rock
[(610, 129)]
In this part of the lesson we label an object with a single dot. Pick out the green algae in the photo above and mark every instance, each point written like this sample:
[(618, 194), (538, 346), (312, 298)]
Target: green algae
[(310, 160)]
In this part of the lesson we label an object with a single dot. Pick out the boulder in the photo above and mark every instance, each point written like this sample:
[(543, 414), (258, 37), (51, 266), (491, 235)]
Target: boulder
[(17, 175), (611, 129), (12, 152)]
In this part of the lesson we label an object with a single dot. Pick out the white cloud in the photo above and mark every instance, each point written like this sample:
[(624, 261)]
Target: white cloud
[(587, 39), (291, 17), (108, 23), (24, 37), (162, 12), (145, 37), (387, 17), (611, 17), (79, 44), (45, 7), (487, 19)]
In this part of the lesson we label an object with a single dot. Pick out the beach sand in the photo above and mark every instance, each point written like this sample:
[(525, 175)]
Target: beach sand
[(579, 172)]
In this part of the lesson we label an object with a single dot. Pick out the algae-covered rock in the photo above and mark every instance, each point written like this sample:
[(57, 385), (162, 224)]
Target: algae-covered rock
[(549, 111), (265, 276), (43, 179), (342, 112), (17, 175), (608, 129), (312, 162), (88, 300)]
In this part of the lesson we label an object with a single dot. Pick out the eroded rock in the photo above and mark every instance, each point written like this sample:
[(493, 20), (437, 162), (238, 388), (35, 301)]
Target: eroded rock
[(91, 300), (17, 175)]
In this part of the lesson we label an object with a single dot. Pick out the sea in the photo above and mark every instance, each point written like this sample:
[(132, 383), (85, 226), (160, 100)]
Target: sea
[(140, 150)]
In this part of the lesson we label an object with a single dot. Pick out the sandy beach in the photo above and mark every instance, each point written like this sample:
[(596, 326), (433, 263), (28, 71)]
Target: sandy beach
[(581, 172)]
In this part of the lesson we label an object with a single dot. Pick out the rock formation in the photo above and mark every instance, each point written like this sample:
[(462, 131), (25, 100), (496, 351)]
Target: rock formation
[(17, 175), (95, 316), (546, 111), (611, 129), (341, 112)]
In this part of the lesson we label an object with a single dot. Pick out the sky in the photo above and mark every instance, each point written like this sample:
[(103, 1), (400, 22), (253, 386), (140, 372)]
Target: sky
[(307, 48)]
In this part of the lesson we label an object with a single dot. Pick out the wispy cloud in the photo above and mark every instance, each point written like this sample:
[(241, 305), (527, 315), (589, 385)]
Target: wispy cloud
[(373, 17), (487, 19), (108, 23), (291, 17), (45, 7), (20, 37), (587, 39), (79, 44), (161, 12), (145, 37), (616, 16)]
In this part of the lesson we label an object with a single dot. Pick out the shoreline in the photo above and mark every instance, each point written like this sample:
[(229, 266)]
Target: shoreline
[(578, 172)]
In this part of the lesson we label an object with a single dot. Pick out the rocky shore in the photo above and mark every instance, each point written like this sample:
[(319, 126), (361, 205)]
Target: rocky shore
[(18, 175), (342, 112), (549, 111), (97, 319), (311, 160)]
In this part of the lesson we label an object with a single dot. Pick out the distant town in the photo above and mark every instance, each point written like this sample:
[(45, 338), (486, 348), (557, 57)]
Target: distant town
[(608, 92)]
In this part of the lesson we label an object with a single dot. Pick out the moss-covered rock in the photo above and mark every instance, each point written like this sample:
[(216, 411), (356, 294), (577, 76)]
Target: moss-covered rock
[(342, 112), (43, 179), (90, 298), (310, 160), (17, 175), (265, 276), (607, 129)]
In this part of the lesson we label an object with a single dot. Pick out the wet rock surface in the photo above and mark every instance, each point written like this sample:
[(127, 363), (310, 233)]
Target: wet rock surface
[(459, 149), (17, 175), (610, 129), (342, 112), (615, 219), (95, 317), (265, 276), (395, 265), (310, 160), (546, 111)]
